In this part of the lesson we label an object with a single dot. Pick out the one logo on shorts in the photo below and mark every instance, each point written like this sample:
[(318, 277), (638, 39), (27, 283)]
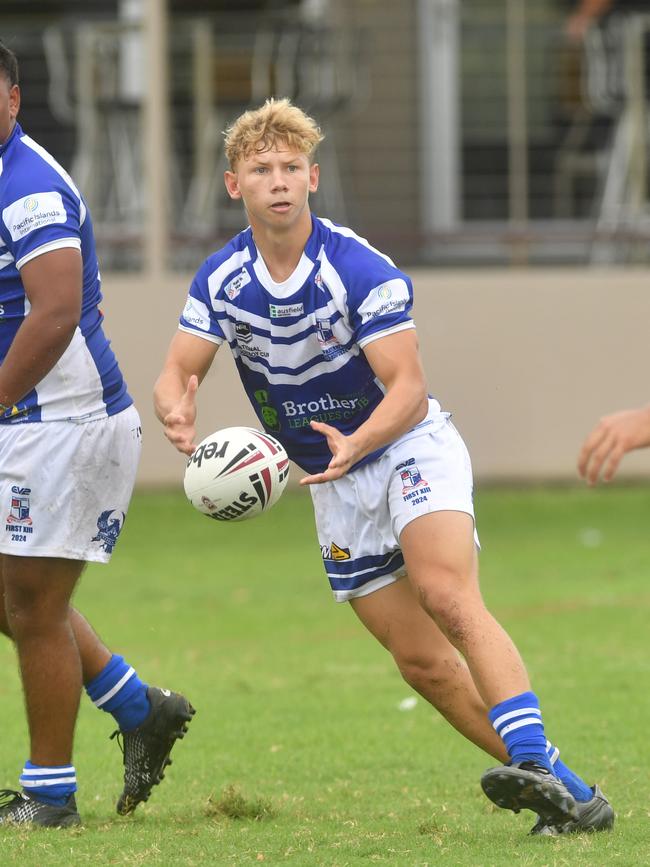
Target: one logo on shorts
[(334, 552), (19, 510), (410, 475), (414, 487), (109, 525), (30, 203)]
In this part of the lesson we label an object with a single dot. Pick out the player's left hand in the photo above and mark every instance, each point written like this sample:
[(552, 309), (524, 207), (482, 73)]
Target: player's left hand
[(344, 455), (612, 437)]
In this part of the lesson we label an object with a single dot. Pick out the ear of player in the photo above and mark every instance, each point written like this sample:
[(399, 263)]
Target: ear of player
[(236, 473)]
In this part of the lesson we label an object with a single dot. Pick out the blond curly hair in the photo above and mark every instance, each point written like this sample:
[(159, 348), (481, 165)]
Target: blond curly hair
[(277, 122)]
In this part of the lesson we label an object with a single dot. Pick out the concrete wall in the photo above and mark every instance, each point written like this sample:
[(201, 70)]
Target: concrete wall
[(526, 360)]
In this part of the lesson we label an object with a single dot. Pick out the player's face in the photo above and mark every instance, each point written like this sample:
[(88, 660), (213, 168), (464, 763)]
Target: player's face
[(274, 186), (9, 105)]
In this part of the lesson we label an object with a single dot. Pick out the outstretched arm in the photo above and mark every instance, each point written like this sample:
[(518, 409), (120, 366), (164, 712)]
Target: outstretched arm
[(188, 360), (613, 436), (395, 361)]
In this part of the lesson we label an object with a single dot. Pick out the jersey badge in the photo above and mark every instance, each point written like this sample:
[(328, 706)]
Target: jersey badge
[(269, 413), (235, 286), (318, 280), (325, 333), (243, 332)]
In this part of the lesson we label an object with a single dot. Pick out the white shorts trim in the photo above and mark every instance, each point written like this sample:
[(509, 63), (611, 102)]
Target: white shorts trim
[(360, 517), (65, 487)]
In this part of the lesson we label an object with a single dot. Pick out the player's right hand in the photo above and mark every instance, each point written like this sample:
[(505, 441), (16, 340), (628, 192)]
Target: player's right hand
[(613, 436), (179, 423)]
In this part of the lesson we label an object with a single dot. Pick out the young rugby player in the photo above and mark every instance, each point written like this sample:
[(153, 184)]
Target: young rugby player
[(318, 322)]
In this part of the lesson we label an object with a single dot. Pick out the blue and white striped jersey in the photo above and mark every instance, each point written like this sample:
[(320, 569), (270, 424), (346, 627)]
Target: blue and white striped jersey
[(42, 210), (297, 345)]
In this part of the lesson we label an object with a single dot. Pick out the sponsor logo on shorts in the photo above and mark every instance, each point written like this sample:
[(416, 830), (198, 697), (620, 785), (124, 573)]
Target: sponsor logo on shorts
[(414, 487), (109, 525), (19, 522), (334, 552)]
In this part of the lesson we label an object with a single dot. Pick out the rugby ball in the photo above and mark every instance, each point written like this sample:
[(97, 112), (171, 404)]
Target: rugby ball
[(236, 473)]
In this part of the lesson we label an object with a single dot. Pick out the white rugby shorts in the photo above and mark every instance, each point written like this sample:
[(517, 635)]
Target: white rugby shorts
[(65, 487), (359, 517)]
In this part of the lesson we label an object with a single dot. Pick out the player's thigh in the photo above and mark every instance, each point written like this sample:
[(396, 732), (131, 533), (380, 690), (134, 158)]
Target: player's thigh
[(395, 617), (441, 557)]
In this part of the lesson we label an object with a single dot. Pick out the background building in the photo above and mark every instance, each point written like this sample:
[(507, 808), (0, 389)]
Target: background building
[(460, 134)]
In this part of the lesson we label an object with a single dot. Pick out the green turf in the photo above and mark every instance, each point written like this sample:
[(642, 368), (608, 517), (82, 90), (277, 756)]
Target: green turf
[(298, 753)]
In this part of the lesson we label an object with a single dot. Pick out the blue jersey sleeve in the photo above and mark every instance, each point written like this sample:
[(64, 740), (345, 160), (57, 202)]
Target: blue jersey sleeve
[(198, 314), (40, 212), (379, 297)]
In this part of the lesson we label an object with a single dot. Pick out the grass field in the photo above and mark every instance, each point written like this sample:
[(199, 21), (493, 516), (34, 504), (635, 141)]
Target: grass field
[(299, 753)]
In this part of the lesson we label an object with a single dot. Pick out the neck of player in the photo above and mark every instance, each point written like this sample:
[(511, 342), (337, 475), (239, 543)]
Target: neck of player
[(282, 247)]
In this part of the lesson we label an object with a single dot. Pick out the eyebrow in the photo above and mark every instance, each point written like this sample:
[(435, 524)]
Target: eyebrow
[(288, 160)]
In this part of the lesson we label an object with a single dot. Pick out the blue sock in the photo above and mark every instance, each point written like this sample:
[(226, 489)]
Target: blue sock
[(578, 788), (52, 785), (118, 690), (518, 722)]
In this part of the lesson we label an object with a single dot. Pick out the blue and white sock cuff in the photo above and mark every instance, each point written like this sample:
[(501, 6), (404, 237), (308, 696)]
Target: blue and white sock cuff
[(32, 778), (114, 689), (552, 752), (523, 716)]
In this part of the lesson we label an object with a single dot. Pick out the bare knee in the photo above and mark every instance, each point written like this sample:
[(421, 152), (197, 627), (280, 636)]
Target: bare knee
[(428, 674), (33, 609), (455, 607)]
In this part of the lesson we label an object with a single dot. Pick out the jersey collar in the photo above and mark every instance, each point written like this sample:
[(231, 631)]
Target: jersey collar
[(16, 132), (303, 269)]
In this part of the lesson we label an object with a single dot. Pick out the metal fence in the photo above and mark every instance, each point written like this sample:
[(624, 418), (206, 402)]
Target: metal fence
[(457, 131)]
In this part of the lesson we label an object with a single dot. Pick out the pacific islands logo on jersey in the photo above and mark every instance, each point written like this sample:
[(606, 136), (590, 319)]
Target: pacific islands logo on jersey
[(32, 212), (334, 552), (389, 297), (109, 525), (234, 287), (19, 517), (196, 313)]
